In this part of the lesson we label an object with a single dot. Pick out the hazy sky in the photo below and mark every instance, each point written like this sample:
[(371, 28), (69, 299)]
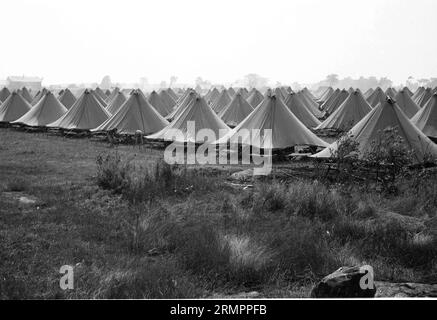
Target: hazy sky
[(291, 40)]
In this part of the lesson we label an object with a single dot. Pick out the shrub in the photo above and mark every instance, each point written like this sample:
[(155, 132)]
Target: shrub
[(345, 157), (390, 157), (315, 200), (139, 183), (146, 227), (112, 172)]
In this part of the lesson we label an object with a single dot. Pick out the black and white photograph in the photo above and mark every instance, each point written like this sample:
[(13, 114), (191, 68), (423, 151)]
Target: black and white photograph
[(218, 156)]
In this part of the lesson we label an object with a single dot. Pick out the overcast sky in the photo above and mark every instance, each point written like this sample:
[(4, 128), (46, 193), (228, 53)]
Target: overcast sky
[(291, 40)]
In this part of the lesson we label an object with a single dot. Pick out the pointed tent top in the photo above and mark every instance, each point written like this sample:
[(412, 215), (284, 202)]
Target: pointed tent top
[(116, 102), (423, 97), (255, 98), (377, 96), (407, 105), (67, 98), (26, 95), (390, 92), (236, 111), (298, 108), (168, 99), (331, 105), (38, 96), (187, 98), (158, 103), (221, 101), (310, 103)]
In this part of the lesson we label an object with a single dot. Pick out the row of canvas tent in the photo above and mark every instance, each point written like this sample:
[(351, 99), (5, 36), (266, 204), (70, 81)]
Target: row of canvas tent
[(281, 117), (375, 96), (136, 113), (87, 112)]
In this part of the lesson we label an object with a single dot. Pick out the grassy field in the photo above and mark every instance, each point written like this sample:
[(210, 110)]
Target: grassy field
[(134, 228)]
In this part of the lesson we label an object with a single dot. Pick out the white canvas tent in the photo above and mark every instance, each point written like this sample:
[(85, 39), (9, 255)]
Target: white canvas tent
[(349, 113), (368, 93), (189, 95), (198, 113), (297, 107), (212, 95), (67, 98), (116, 103), (310, 103), (172, 93), (159, 104), (377, 96), (408, 91), (417, 93), (4, 94), (38, 96), (101, 94), (236, 111), (86, 113), (286, 129), (47, 110), (113, 94), (370, 128), (407, 105), (279, 93), (26, 94), (168, 99), (135, 114), (99, 97), (326, 94), (423, 98), (231, 92), (13, 107), (332, 104)]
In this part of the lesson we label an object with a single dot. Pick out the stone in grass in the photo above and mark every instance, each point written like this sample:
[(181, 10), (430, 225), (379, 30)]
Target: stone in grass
[(346, 282)]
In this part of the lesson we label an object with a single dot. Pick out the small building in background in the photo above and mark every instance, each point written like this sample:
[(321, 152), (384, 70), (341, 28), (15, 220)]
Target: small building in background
[(18, 82)]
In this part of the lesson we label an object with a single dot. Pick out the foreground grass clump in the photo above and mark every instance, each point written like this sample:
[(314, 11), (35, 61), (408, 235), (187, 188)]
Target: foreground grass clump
[(148, 279), (142, 183), (222, 260)]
